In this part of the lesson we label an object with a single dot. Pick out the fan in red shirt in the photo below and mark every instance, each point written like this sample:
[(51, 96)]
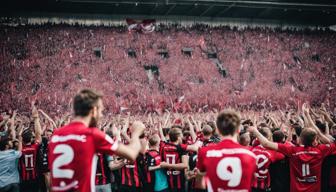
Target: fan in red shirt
[(73, 148), (28, 167), (227, 165), (265, 157), (306, 159)]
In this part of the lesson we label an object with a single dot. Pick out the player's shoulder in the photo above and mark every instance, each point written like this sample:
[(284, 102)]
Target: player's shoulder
[(209, 147), (325, 146), (227, 148), (257, 149), (75, 128)]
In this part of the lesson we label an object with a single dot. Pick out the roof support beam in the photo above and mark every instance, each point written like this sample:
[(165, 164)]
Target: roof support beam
[(155, 6), (170, 9), (225, 10), (207, 10)]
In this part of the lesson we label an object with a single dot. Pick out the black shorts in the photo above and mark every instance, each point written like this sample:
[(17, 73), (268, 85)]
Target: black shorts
[(261, 190), (177, 190), (198, 190), (126, 188), (29, 186)]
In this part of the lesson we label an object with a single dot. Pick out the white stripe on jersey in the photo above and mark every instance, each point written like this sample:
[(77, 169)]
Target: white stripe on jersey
[(93, 173), (209, 186), (219, 153)]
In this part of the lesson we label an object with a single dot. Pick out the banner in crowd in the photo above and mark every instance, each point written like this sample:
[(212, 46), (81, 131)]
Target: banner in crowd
[(145, 26)]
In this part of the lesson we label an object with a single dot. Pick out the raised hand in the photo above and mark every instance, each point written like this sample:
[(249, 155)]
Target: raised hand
[(34, 111), (137, 128)]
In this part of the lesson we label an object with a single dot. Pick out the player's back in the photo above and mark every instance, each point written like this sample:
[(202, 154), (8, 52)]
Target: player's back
[(172, 154), (228, 165), (305, 167), (72, 157), (28, 162)]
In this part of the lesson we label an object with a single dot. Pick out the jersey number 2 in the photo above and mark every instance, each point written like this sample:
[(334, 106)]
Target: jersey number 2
[(234, 175), (66, 157)]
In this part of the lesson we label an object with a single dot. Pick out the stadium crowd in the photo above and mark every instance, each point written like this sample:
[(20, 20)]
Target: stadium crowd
[(160, 125), (291, 150), (269, 67)]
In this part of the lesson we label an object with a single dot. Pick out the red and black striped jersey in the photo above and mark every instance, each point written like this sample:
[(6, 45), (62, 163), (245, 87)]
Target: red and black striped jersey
[(132, 172), (103, 172), (28, 161), (153, 158), (172, 154)]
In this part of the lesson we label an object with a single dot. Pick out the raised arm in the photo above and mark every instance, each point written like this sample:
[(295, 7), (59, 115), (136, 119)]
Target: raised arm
[(263, 140), (11, 130), (37, 124), (327, 117), (48, 118), (197, 124), (165, 124), (162, 137), (310, 123), (132, 150), (116, 132), (124, 130), (20, 137), (192, 130)]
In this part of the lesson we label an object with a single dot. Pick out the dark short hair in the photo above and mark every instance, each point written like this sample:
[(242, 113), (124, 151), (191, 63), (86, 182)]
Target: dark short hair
[(266, 132), (165, 131), (297, 129), (84, 101), (27, 136), (174, 134), (322, 126), (153, 140), (278, 136), (228, 122), (186, 133), (3, 143), (308, 136), (207, 130)]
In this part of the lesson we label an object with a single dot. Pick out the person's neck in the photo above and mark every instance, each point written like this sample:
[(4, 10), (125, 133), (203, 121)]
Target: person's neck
[(84, 120), (175, 143), (154, 148), (229, 137)]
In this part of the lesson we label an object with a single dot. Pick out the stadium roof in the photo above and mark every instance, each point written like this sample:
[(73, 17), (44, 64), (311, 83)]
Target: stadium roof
[(311, 12)]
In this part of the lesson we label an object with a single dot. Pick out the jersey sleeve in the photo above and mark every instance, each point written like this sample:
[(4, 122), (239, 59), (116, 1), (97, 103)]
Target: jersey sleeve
[(184, 147), (285, 149), (104, 143), (162, 144), (276, 156), (150, 161), (16, 154), (200, 160), (327, 149)]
